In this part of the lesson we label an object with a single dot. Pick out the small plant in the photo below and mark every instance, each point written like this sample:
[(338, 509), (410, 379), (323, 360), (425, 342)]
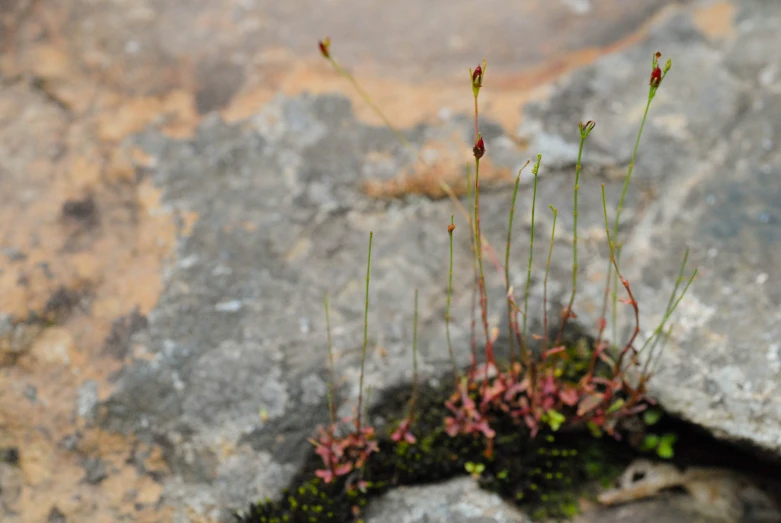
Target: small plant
[(474, 469), (343, 455), (662, 445), (553, 385)]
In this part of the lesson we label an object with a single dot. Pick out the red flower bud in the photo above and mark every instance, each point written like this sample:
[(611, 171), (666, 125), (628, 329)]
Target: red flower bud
[(656, 77), (477, 74), (479, 148), (324, 45), (451, 228)]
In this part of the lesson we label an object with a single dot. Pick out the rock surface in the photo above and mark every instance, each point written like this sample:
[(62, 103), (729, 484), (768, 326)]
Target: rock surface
[(462, 501), (710, 156), (173, 365), (456, 501)]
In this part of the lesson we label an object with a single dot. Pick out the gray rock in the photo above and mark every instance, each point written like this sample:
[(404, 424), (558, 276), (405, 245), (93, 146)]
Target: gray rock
[(236, 384), (87, 400), (456, 501), (709, 154)]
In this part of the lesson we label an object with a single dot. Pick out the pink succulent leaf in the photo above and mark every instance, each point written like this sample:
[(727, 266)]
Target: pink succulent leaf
[(569, 396), (343, 469), (451, 426), (485, 428), (589, 403), (326, 475)]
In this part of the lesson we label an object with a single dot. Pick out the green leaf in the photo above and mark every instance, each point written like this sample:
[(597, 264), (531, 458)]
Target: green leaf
[(554, 418), (595, 429), (650, 442), (651, 417), (665, 448), (615, 406)]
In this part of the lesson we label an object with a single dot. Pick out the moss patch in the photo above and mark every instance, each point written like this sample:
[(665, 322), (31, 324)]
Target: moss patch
[(545, 475)]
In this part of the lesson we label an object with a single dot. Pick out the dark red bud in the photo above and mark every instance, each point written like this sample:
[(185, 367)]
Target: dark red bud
[(656, 77), (324, 45), (479, 148), (478, 72)]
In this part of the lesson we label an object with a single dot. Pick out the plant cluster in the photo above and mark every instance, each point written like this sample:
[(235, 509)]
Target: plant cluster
[(559, 387)]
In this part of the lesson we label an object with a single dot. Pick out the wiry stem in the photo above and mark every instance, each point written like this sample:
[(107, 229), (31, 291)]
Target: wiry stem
[(475, 275), (525, 343), (507, 266), (618, 245), (450, 230), (625, 283), (414, 398), (567, 313), (365, 332), (367, 99), (545, 282), (672, 304), (479, 251), (332, 378)]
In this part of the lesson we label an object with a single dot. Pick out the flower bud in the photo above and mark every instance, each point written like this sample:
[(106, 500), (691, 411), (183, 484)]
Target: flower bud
[(656, 77), (586, 128), (477, 76), (451, 228), (479, 148), (324, 45)]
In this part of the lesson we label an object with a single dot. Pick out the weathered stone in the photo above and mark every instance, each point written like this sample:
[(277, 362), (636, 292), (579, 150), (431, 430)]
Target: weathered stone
[(708, 153), (229, 376), (238, 338), (457, 501)]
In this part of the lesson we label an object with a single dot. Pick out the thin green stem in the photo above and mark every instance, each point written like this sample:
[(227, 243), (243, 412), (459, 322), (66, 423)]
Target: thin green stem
[(450, 230), (672, 304), (631, 299), (332, 378), (567, 313), (620, 207), (535, 172), (545, 281), (414, 398), (365, 332), (507, 266), (479, 254), (370, 103), (475, 274)]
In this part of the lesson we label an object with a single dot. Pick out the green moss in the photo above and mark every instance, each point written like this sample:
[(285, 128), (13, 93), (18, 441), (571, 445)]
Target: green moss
[(545, 475)]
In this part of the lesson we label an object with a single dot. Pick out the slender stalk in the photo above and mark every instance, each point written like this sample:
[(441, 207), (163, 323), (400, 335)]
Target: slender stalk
[(545, 281), (365, 332), (585, 130), (369, 102), (632, 301), (620, 207), (507, 265), (332, 379), (414, 397), (450, 230), (365, 96), (672, 304), (535, 172), (657, 77), (479, 253), (475, 274)]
